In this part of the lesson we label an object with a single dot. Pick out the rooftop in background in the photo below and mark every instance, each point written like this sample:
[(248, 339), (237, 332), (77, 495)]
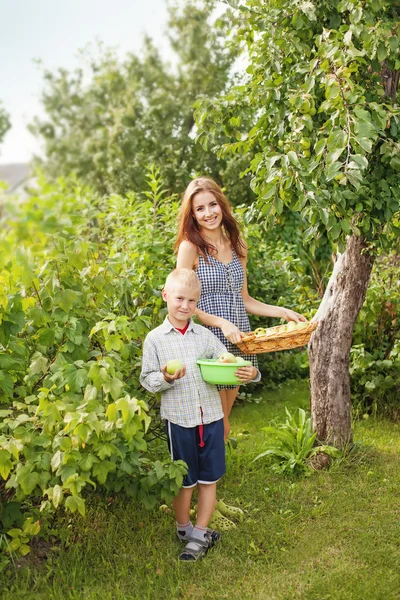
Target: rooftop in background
[(15, 174)]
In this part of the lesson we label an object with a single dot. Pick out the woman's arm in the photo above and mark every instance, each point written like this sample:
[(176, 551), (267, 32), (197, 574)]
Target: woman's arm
[(188, 258), (255, 307)]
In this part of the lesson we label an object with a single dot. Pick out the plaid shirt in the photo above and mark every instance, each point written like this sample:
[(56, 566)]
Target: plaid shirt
[(184, 400)]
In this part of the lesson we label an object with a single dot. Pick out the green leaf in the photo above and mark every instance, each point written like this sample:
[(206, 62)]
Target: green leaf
[(101, 470), (112, 412), (336, 140), (345, 225), (360, 160), (116, 386), (381, 52), (365, 143), (365, 129), (28, 482), (332, 157), (319, 146), (335, 231), (5, 463), (114, 342), (39, 364), (332, 170), (293, 158), (65, 299), (90, 393), (74, 503), (6, 383), (58, 495)]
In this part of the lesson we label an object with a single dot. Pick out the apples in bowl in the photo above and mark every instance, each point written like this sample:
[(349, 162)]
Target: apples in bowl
[(221, 371)]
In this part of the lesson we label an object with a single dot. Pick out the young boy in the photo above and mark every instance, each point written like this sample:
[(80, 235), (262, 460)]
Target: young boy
[(191, 408)]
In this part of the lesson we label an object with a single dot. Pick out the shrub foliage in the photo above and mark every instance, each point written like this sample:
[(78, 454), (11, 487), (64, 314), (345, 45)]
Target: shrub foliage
[(79, 289)]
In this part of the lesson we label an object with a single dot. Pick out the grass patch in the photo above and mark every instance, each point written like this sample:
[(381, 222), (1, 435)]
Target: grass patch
[(333, 535)]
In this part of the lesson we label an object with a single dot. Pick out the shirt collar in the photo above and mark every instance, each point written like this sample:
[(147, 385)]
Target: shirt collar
[(167, 326)]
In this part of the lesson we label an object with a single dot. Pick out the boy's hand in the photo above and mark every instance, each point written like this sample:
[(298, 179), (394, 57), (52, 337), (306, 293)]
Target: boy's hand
[(246, 374), (177, 375)]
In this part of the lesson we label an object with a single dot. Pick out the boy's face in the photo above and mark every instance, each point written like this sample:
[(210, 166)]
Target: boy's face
[(181, 302)]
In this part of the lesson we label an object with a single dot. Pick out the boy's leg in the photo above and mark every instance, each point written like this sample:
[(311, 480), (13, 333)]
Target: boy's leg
[(211, 453), (182, 445), (181, 506), (207, 495), (202, 538)]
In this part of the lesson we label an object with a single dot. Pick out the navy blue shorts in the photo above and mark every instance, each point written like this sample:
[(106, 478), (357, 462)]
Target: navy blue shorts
[(204, 454)]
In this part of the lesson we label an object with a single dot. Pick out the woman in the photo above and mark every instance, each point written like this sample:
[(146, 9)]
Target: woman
[(209, 242)]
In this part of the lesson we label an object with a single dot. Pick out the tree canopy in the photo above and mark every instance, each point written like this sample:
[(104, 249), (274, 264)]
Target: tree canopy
[(109, 119), (322, 80)]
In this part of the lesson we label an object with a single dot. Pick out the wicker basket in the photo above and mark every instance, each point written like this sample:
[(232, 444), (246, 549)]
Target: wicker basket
[(276, 339)]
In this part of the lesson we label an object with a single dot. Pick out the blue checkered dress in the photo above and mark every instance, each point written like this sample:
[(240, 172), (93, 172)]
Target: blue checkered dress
[(221, 287)]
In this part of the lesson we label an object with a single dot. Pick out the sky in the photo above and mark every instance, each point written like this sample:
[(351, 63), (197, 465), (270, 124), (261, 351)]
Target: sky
[(53, 31)]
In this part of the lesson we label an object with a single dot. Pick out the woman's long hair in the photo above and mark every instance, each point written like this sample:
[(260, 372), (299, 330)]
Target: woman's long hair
[(188, 228)]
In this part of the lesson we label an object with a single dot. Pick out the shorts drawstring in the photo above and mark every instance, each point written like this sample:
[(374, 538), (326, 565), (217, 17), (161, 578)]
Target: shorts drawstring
[(201, 429)]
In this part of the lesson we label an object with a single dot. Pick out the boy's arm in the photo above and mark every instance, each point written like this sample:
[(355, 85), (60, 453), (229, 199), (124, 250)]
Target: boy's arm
[(216, 346), (151, 377), (245, 375)]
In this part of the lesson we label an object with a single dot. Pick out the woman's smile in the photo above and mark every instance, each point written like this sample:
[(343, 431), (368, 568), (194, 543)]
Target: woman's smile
[(206, 210)]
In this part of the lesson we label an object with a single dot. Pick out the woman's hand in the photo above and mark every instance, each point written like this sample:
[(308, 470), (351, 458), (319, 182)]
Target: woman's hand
[(246, 374), (291, 315), (230, 331)]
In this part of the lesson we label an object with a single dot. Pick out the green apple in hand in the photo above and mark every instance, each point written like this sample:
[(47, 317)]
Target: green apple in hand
[(173, 366)]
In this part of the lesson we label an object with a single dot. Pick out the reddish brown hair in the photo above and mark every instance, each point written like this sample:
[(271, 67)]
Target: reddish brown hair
[(188, 228)]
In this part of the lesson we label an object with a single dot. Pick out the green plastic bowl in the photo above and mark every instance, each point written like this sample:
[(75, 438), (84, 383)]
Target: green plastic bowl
[(220, 373)]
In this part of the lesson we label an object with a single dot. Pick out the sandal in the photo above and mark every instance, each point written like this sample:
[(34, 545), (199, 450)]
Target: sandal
[(195, 550), (229, 511), (220, 522), (214, 537)]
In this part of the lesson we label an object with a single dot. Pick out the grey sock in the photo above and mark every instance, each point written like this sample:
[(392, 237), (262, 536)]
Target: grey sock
[(198, 533), (184, 532)]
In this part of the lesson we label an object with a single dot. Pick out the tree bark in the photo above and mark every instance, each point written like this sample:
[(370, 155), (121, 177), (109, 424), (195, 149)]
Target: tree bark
[(329, 348)]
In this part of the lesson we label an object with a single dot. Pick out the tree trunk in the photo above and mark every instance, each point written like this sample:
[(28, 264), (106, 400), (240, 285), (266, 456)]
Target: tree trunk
[(330, 344)]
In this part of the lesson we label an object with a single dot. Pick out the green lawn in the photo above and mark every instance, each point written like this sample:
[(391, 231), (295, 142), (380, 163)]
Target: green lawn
[(333, 535)]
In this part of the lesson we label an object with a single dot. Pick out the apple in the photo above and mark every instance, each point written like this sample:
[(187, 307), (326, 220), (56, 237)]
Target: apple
[(173, 366), (240, 361), (302, 325), (259, 331), (227, 357), (291, 326)]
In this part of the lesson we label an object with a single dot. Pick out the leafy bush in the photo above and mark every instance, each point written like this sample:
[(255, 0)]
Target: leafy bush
[(281, 272), (292, 445), (79, 289), (375, 356)]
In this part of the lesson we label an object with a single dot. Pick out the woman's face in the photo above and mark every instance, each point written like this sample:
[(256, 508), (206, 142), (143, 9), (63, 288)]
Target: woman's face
[(206, 211)]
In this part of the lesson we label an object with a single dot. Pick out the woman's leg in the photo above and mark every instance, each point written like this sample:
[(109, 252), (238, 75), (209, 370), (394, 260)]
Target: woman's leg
[(228, 397)]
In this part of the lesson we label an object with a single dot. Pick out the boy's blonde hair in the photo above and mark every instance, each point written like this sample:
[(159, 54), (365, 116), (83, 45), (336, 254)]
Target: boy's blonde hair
[(185, 277)]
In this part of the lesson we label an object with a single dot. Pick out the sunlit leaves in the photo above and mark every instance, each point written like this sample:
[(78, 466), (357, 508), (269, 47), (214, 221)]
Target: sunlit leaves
[(324, 122), (72, 413)]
